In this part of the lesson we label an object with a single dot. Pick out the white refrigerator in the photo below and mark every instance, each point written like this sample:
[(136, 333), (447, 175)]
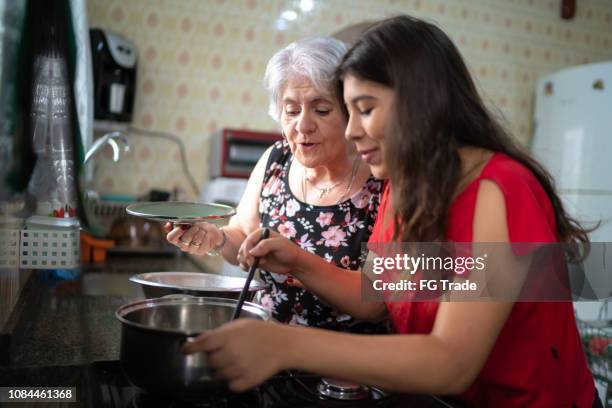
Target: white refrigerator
[(573, 139)]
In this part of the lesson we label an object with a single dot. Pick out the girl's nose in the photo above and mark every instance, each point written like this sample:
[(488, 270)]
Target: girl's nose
[(353, 129)]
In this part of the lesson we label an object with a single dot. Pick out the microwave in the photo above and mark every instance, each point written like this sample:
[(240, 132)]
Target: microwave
[(235, 152)]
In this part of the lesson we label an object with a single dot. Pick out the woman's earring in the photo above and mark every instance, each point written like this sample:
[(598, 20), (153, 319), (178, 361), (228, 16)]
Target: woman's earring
[(283, 134)]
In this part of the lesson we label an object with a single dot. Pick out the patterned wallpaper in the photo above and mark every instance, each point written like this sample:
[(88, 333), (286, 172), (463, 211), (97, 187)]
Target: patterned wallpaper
[(202, 62)]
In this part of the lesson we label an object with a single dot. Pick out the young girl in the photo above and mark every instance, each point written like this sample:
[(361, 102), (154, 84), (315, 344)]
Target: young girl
[(454, 175)]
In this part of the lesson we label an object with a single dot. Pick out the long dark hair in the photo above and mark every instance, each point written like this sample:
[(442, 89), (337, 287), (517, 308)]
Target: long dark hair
[(438, 107)]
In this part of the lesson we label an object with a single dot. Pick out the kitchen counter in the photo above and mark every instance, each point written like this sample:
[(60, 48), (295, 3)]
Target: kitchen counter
[(58, 322), (64, 333)]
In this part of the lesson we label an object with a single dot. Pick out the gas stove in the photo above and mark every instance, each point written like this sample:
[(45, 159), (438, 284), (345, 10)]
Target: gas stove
[(102, 384), (106, 386)]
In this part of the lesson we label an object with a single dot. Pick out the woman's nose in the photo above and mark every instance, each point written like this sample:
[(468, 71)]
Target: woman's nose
[(306, 123)]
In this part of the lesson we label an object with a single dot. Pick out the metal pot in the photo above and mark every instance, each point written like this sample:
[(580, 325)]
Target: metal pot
[(158, 284), (153, 332)]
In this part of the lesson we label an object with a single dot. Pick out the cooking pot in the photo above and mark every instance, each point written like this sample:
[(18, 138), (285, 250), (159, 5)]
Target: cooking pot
[(158, 284), (153, 332)]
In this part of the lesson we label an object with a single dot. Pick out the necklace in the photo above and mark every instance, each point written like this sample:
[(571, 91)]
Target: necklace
[(324, 191)]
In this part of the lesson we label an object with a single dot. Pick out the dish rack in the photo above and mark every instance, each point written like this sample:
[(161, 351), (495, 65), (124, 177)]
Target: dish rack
[(104, 213), (596, 336)]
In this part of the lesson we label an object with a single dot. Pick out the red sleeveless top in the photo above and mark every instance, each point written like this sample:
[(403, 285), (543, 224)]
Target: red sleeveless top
[(538, 359)]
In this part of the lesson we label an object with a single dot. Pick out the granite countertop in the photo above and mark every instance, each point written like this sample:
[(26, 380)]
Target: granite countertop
[(59, 327), (62, 322)]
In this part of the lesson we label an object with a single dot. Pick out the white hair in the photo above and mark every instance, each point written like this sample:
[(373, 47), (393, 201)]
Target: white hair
[(315, 59)]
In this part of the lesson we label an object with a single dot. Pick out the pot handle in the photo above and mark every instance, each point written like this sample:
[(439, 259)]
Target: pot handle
[(199, 360)]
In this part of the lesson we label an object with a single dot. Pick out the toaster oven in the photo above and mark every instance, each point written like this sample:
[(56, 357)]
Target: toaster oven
[(234, 152)]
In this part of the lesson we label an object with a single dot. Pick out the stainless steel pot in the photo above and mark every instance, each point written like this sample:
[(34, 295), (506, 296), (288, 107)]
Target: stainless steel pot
[(158, 284), (153, 332)]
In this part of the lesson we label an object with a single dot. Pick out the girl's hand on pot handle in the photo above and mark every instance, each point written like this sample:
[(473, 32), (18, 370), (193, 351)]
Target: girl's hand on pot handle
[(246, 352), (197, 239), (277, 254)]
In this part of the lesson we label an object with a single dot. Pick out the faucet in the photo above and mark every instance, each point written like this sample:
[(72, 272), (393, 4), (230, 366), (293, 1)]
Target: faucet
[(110, 139), (95, 225)]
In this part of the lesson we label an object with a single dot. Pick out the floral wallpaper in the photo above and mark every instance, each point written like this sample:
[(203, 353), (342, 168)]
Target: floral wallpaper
[(201, 64)]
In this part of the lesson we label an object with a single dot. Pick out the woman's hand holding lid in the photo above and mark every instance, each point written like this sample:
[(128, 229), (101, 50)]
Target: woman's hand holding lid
[(197, 239)]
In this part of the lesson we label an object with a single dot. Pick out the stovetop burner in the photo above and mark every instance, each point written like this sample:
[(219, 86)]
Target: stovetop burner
[(342, 390), (106, 387), (304, 390)]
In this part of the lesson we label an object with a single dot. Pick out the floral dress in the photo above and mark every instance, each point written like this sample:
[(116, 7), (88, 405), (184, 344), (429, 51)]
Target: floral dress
[(334, 232)]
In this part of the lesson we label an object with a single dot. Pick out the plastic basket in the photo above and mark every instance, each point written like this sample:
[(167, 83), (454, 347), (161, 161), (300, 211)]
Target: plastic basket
[(597, 343), (9, 248), (596, 336), (49, 249)]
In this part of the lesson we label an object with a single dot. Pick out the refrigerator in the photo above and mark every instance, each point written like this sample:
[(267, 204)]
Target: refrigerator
[(573, 139)]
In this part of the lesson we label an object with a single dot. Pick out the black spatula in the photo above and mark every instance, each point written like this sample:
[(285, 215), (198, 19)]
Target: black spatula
[(264, 235)]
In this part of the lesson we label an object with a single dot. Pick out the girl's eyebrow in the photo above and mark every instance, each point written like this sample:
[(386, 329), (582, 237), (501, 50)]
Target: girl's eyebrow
[(362, 97)]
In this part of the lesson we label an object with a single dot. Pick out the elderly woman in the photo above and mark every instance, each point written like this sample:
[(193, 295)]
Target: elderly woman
[(311, 188)]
